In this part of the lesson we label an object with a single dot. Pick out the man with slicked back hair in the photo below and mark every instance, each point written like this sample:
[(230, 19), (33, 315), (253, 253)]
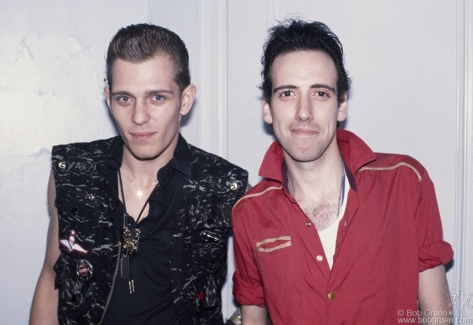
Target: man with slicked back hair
[(139, 222)]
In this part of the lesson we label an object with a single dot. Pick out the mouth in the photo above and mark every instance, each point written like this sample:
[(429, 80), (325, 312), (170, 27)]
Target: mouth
[(142, 136), (304, 132)]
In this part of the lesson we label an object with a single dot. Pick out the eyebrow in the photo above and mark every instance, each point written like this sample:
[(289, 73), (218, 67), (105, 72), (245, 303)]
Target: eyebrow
[(312, 86), (147, 93), (120, 93)]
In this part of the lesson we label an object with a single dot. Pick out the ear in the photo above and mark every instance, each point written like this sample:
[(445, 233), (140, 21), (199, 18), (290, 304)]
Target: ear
[(267, 114), (106, 92), (342, 109), (187, 99)]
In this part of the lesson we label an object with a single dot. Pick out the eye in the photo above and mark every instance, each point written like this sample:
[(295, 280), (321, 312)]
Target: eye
[(158, 97), (123, 99), (322, 95), (286, 94)]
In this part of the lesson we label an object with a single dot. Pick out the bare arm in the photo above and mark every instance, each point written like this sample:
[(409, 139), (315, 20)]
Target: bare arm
[(434, 297), (45, 299), (253, 315)]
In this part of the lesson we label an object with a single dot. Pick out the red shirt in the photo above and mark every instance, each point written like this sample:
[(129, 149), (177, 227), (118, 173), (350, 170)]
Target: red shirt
[(391, 231)]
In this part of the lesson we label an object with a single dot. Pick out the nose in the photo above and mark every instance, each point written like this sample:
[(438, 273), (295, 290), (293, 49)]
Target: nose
[(140, 113), (304, 109)]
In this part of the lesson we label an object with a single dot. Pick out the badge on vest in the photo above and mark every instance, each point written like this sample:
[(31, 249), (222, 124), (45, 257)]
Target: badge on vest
[(71, 245), (84, 270)]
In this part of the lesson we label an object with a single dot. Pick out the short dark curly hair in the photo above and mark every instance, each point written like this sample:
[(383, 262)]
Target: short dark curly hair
[(137, 43), (293, 35)]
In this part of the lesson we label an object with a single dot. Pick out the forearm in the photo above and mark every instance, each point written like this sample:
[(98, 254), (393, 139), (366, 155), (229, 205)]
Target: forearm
[(45, 300), (253, 315), (434, 296)]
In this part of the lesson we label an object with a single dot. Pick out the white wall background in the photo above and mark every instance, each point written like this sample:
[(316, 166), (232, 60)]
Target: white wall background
[(411, 62)]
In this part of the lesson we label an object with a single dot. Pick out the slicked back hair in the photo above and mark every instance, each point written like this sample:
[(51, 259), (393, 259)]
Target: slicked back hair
[(141, 42), (294, 35)]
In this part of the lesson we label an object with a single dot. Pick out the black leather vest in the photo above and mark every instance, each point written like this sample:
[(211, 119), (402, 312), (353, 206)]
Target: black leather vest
[(89, 244)]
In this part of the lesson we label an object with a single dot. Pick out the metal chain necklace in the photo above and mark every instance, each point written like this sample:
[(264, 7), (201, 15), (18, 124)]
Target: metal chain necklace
[(341, 195), (129, 240), (139, 193)]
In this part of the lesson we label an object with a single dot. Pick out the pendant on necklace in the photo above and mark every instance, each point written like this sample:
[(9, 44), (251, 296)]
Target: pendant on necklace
[(130, 239), (139, 194)]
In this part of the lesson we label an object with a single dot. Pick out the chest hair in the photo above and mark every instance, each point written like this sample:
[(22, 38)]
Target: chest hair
[(322, 215)]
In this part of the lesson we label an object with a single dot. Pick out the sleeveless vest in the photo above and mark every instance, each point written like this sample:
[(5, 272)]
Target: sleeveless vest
[(90, 245)]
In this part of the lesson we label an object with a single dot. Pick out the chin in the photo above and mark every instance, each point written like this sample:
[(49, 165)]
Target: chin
[(144, 155), (305, 156)]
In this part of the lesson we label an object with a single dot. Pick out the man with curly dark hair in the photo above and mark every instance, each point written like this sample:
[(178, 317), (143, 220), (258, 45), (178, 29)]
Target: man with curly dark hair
[(335, 233)]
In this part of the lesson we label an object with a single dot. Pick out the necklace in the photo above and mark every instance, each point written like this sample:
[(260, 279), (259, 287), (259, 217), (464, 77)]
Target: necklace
[(139, 193), (129, 240), (341, 195)]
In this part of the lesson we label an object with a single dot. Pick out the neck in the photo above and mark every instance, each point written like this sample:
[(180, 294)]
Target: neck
[(316, 180), (143, 172)]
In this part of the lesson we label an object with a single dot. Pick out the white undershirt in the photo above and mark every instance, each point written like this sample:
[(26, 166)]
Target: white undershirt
[(328, 236)]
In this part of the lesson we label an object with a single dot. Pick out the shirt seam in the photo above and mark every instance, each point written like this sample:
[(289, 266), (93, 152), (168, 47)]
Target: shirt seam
[(271, 188), (401, 164)]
